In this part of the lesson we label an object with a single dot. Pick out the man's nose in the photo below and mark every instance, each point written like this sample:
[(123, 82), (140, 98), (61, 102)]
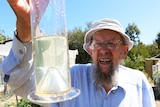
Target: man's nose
[(104, 46)]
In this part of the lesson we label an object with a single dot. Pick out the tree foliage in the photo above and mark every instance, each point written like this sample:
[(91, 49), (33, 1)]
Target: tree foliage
[(2, 36), (133, 32), (153, 49), (138, 54), (76, 39), (136, 57), (158, 40)]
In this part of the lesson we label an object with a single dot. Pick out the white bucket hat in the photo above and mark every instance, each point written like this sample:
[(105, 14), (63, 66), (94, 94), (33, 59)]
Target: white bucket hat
[(106, 23)]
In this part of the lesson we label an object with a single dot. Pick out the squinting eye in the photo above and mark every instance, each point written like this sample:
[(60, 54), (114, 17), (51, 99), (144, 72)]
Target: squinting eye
[(97, 45), (111, 44)]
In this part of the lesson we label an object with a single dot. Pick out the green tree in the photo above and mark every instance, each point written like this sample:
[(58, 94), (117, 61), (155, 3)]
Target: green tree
[(2, 37), (158, 40), (138, 54), (76, 39), (153, 49), (136, 57), (133, 32)]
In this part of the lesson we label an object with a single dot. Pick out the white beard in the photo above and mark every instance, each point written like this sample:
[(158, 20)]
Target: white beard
[(108, 79)]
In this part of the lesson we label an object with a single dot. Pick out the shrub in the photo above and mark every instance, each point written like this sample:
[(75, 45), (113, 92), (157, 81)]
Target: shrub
[(26, 103)]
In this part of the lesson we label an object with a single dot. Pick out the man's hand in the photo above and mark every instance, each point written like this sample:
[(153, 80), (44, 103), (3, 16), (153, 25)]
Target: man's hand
[(22, 9)]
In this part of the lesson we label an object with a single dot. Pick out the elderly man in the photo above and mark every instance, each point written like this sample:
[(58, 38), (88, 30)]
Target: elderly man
[(105, 83)]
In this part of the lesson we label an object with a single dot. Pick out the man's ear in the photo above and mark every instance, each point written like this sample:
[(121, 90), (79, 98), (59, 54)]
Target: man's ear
[(125, 52), (93, 54), (89, 50)]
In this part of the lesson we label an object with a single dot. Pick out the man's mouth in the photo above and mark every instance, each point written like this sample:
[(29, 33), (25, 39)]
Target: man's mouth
[(104, 60)]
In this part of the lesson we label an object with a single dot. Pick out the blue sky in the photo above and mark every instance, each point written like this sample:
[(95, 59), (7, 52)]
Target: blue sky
[(144, 13)]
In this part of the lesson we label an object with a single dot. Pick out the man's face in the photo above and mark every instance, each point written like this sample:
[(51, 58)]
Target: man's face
[(107, 49)]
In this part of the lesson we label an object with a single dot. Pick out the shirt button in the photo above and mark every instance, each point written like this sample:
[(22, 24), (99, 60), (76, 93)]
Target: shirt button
[(106, 98), (113, 92), (20, 52)]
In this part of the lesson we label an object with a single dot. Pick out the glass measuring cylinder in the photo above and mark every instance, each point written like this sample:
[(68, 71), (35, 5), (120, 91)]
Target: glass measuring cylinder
[(50, 50)]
